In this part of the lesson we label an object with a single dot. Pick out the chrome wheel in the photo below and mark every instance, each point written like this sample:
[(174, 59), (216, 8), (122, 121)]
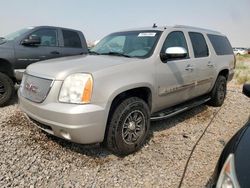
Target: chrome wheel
[(133, 127)]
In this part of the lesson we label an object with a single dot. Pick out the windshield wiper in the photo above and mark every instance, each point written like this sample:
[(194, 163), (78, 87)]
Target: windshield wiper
[(94, 53), (116, 54)]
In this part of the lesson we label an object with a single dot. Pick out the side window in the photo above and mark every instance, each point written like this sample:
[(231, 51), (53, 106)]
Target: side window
[(71, 39), (220, 44), (48, 37), (175, 39), (199, 45)]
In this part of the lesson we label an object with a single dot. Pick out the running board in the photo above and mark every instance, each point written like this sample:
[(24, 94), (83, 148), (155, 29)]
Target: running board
[(179, 108)]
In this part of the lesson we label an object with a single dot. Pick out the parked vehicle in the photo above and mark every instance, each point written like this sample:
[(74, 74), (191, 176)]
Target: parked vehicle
[(128, 78), (248, 50), (233, 167), (240, 51), (30, 45)]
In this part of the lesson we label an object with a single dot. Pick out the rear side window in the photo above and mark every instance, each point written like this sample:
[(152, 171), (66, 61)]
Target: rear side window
[(199, 44), (71, 39), (220, 44)]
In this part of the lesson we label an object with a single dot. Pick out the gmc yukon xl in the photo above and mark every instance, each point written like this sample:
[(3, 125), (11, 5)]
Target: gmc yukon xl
[(128, 79)]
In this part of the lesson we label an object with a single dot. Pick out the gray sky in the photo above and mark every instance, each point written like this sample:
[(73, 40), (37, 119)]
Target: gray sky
[(99, 18)]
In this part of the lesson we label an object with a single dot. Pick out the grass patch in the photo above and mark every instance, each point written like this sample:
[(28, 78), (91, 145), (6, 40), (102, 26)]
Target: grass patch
[(242, 69), (245, 57)]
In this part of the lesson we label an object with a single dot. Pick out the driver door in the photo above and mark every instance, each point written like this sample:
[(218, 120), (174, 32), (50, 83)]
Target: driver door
[(48, 48), (175, 77)]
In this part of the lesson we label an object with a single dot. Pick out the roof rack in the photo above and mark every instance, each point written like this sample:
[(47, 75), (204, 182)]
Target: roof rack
[(197, 28)]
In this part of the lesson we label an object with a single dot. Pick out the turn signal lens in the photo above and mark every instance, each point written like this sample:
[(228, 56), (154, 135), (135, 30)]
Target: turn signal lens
[(87, 92)]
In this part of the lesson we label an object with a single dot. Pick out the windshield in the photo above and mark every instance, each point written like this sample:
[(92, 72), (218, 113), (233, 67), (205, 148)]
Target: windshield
[(16, 34), (128, 44)]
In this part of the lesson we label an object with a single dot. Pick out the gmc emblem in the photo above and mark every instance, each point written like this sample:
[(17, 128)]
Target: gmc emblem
[(30, 87)]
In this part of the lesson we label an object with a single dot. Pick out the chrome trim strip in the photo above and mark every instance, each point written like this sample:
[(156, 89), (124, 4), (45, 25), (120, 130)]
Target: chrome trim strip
[(165, 91), (204, 81), (176, 89)]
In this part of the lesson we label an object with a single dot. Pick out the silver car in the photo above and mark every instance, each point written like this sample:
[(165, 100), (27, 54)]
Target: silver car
[(126, 80)]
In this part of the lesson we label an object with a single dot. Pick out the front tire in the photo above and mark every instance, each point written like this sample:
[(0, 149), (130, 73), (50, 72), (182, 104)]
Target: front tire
[(219, 91), (6, 89), (128, 126)]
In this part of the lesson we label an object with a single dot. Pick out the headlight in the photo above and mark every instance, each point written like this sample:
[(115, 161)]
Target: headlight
[(77, 88), (228, 178)]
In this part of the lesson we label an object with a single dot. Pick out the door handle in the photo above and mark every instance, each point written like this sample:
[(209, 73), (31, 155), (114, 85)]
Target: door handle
[(55, 53), (210, 64), (189, 68)]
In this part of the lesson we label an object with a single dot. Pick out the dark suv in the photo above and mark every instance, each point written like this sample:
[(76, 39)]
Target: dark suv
[(32, 44)]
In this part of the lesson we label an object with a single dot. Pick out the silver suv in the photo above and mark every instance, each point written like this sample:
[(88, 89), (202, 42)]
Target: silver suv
[(126, 80)]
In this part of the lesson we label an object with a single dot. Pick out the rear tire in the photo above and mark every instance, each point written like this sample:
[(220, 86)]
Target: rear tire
[(219, 91), (6, 89), (128, 126)]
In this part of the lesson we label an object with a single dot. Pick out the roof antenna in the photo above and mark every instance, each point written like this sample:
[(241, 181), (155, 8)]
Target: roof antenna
[(154, 26)]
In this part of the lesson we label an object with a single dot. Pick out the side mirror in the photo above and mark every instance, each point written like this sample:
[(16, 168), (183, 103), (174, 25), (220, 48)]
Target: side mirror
[(246, 90), (32, 41), (174, 53)]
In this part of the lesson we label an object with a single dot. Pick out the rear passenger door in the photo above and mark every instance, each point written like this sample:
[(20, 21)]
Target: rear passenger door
[(204, 66), (71, 43)]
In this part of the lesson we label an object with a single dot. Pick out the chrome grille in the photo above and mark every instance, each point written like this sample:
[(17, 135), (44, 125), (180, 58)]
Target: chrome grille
[(34, 88)]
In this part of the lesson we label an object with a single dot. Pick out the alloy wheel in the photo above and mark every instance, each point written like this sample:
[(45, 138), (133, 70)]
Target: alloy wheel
[(133, 127)]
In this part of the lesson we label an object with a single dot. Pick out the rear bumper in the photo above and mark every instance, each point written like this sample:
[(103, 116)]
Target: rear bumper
[(82, 124)]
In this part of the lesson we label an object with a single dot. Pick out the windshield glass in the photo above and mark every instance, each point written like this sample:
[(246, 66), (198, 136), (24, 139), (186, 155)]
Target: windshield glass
[(16, 34), (128, 44)]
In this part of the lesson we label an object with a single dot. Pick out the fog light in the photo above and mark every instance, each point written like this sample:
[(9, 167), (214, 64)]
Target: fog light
[(65, 135)]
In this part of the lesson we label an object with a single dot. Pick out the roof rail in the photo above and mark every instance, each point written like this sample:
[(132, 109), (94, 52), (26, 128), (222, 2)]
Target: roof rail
[(198, 28)]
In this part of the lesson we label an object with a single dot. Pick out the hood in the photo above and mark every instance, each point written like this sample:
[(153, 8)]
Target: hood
[(62, 67)]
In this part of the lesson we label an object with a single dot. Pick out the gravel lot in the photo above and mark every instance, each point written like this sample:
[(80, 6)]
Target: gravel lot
[(31, 158)]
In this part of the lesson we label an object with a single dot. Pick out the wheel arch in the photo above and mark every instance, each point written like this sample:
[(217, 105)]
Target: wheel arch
[(143, 92), (224, 72)]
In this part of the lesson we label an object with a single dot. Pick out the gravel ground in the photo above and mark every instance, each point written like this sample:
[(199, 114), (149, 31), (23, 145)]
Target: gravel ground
[(32, 158)]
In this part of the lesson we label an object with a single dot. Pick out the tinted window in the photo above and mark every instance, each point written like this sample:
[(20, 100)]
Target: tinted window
[(175, 39), (199, 44), (48, 36), (71, 39), (221, 44)]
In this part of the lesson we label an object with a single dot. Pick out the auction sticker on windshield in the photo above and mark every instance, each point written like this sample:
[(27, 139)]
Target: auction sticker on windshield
[(146, 34)]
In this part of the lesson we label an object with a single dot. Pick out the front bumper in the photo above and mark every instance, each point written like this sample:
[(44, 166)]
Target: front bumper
[(82, 124)]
